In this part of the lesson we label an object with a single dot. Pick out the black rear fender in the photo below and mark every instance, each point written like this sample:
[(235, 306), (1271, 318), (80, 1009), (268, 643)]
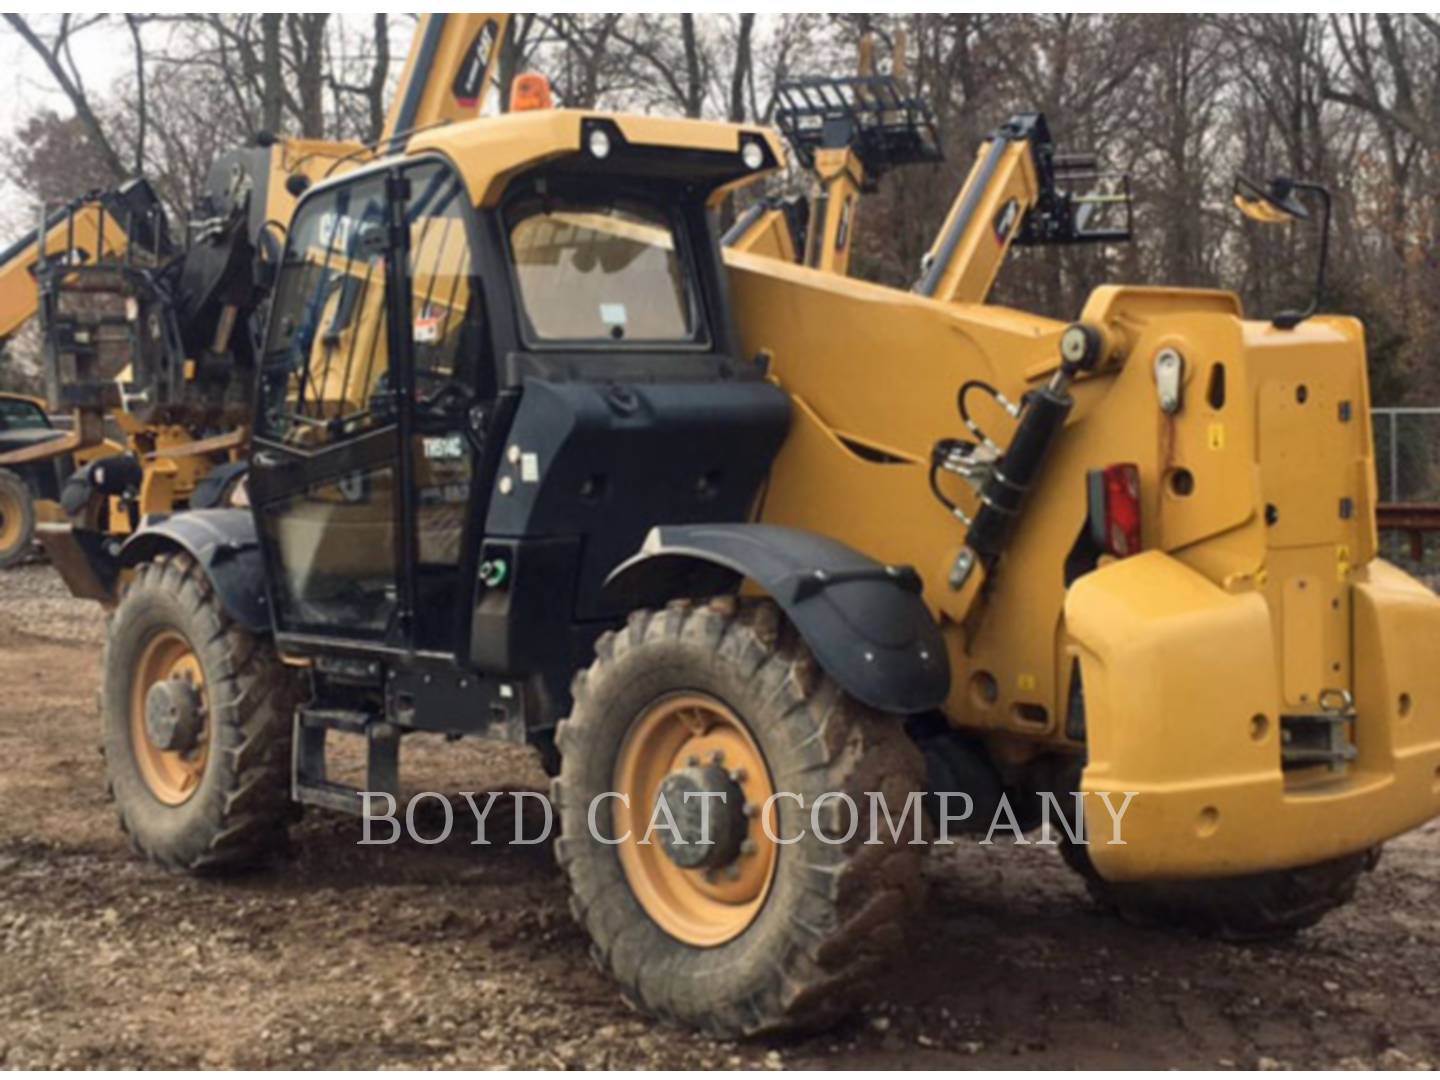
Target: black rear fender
[(227, 548), (865, 622)]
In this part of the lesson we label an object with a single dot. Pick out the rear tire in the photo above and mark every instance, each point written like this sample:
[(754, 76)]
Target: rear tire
[(17, 519), (831, 915), (225, 802), (1251, 907)]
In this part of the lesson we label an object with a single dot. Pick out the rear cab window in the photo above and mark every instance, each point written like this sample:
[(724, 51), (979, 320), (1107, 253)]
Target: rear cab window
[(602, 273)]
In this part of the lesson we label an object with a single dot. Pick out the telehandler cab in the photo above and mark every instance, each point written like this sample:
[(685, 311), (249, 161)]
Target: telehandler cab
[(535, 459)]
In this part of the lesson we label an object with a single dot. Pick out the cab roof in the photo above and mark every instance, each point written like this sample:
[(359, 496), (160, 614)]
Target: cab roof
[(490, 151)]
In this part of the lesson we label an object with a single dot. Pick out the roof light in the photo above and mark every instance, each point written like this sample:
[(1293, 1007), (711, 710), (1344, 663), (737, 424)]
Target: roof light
[(753, 154), (599, 143), (530, 90)]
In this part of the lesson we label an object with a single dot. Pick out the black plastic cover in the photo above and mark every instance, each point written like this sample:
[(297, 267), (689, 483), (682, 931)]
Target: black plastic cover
[(606, 462), (865, 622)]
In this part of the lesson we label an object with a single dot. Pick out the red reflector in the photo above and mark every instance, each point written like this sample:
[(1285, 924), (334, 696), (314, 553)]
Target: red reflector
[(1115, 509)]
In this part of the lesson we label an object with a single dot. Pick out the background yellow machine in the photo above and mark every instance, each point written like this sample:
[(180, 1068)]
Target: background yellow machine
[(847, 133), (150, 336)]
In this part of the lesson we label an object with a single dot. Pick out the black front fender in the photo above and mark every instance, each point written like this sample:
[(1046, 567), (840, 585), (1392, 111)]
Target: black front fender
[(225, 545), (865, 622)]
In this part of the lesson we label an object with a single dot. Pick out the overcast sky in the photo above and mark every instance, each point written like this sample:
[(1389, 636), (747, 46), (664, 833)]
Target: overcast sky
[(28, 85), (103, 54)]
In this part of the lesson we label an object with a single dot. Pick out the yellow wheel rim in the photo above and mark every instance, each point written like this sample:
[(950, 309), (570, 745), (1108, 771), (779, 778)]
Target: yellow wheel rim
[(702, 907), (12, 521), (171, 775)]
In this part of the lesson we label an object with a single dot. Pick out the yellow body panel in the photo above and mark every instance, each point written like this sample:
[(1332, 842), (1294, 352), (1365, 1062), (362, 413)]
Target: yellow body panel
[(489, 153), (1186, 679), (1258, 591), (314, 159)]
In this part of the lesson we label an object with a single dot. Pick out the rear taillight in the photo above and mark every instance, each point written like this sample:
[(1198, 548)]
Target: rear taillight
[(1115, 509)]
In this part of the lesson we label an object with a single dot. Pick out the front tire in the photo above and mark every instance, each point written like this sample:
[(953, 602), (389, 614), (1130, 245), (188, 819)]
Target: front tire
[(197, 715), (17, 519), (1268, 906), (780, 936)]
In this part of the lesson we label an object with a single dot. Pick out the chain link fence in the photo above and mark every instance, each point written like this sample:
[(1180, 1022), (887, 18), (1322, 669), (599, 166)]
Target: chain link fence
[(1407, 472), (1407, 453)]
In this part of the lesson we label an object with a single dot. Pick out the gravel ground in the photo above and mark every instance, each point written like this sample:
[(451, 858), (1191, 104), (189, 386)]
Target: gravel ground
[(456, 956)]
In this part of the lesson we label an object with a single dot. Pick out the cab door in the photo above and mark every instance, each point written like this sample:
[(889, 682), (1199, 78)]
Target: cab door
[(364, 454)]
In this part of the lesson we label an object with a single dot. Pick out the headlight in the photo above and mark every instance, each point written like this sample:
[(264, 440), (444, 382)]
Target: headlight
[(599, 144), (753, 155)]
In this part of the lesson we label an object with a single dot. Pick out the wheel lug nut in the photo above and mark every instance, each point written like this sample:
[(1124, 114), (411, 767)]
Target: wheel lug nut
[(717, 757), (749, 809), (693, 761), (732, 872), (747, 847), (738, 776)]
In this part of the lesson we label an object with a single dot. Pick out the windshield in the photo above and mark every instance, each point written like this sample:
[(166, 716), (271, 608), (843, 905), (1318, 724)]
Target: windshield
[(601, 273)]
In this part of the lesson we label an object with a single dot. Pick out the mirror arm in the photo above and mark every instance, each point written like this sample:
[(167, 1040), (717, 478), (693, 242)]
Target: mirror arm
[(1288, 320)]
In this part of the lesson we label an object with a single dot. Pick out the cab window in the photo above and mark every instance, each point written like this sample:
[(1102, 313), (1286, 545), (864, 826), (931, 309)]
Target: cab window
[(17, 414), (601, 272), (327, 365)]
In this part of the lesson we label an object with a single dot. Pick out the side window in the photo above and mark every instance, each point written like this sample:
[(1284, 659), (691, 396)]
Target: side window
[(327, 365), (446, 307), (326, 359)]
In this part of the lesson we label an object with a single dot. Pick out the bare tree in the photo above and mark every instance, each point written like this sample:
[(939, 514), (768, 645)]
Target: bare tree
[(1384, 71), (60, 62), (372, 92)]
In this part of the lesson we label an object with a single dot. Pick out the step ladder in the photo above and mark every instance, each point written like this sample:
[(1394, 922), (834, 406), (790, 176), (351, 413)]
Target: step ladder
[(310, 782)]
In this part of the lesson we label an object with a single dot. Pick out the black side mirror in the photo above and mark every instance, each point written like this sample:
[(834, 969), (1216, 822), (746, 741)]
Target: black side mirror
[(1278, 204)]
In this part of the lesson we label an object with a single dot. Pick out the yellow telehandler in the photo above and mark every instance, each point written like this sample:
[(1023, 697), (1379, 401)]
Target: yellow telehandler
[(746, 548)]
